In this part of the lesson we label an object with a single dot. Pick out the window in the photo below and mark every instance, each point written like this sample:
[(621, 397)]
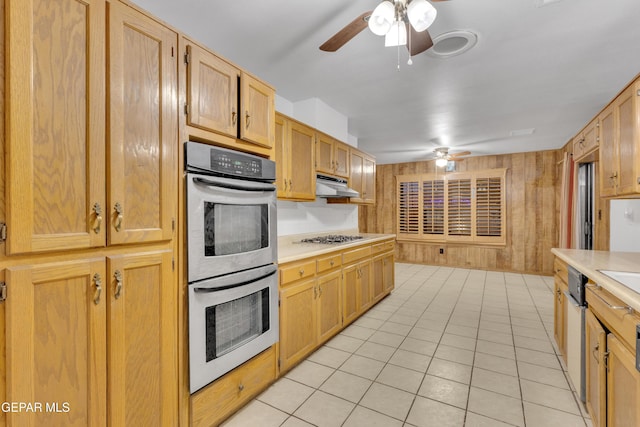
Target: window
[(458, 207)]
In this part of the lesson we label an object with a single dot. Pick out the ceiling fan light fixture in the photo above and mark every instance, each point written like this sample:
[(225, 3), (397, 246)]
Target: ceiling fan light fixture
[(441, 162), (421, 14), (382, 18), (397, 35)]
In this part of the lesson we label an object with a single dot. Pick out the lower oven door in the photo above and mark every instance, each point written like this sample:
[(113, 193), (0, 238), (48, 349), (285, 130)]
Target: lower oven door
[(231, 319)]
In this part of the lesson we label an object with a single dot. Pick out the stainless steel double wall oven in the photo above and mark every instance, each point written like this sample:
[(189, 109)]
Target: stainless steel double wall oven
[(232, 256)]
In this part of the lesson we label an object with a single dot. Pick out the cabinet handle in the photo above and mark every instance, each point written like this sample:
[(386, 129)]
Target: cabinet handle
[(319, 291), (612, 307), (97, 210), (118, 208), (118, 276), (97, 280), (240, 387), (594, 353), (247, 119), (301, 271), (331, 263), (290, 185), (315, 292), (233, 117)]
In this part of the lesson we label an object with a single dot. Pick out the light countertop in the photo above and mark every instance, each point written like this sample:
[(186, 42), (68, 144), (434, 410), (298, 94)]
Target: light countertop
[(289, 248), (589, 262)]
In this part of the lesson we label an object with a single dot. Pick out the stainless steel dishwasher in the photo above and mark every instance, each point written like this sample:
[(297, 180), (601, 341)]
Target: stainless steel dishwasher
[(576, 306)]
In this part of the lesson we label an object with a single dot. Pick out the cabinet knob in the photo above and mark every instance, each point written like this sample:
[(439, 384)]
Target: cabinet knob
[(331, 263), (97, 210), (301, 271), (247, 119), (120, 214), (234, 116), (240, 387), (118, 276), (97, 280)]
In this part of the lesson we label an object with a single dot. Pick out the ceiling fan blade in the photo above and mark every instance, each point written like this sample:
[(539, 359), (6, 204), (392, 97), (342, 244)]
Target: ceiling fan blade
[(420, 41), (462, 153), (347, 33)]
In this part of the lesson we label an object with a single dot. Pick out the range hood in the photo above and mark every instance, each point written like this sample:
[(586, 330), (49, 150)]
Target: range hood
[(331, 186)]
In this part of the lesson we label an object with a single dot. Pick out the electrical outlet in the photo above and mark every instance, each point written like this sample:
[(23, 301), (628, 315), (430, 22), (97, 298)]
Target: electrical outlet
[(441, 251)]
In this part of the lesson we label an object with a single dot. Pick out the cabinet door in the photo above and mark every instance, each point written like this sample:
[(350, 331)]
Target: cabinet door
[(350, 285), (608, 152), (324, 154), (628, 144), (297, 322), (55, 130), (368, 181), (143, 127), (595, 369), (143, 369), (282, 156), (303, 180), (341, 158), (56, 343), (329, 306), (257, 111), (212, 92), (356, 177), (558, 316), (623, 386), (365, 286), (389, 273)]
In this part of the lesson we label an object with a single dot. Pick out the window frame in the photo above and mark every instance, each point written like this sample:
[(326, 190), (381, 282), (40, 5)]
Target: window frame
[(471, 209)]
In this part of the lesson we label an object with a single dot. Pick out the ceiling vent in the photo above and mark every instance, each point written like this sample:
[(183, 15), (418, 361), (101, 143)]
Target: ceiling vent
[(452, 43)]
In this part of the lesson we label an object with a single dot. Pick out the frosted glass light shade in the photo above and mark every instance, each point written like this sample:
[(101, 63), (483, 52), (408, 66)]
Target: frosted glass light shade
[(397, 35), (441, 162), (421, 14), (382, 18)]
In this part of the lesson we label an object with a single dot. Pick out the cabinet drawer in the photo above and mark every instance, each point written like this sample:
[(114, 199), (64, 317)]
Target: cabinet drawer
[(329, 262), (356, 254), (292, 272), (561, 270), (217, 401), (613, 313), (382, 247)]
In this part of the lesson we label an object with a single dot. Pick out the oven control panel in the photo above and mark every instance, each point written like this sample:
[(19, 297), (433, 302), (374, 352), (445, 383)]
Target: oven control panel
[(235, 164), (209, 159)]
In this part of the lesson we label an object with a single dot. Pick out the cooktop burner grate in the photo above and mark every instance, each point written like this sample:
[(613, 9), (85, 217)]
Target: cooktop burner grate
[(330, 239)]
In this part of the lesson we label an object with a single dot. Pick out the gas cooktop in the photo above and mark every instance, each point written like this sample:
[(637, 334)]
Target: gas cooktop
[(331, 239)]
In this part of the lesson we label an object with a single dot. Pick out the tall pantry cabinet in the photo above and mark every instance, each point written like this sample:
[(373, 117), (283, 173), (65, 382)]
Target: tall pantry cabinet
[(90, 106)]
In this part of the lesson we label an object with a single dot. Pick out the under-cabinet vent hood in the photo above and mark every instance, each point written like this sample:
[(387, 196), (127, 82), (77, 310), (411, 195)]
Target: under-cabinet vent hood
[(331, 186)]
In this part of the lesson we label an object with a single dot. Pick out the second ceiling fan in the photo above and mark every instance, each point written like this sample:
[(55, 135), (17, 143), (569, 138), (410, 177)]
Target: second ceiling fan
[(402, 22)]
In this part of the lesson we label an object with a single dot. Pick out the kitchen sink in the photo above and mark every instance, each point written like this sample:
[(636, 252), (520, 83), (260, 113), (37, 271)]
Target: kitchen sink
[(627, 278)]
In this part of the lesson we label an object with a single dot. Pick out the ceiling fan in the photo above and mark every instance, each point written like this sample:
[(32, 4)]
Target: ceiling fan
[(442, 156), (402, 22)]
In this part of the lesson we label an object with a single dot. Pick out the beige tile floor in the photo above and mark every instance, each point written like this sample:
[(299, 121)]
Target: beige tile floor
[(449, 347)]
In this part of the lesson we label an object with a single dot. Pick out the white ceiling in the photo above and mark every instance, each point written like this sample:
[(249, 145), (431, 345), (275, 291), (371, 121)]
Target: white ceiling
[(550, 68)]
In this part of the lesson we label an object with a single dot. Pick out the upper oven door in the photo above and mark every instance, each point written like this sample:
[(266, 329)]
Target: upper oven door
[(231, 223)]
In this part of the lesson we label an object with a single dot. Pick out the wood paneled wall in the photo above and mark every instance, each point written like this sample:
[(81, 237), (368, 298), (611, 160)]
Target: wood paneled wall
[(532, 214)]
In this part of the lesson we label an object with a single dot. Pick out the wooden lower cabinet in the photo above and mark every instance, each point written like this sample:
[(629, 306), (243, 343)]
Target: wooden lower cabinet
[(297, 322), (595, 369), (93, 338), (623, 386), (319, 297), (560, 279), (214, 403)]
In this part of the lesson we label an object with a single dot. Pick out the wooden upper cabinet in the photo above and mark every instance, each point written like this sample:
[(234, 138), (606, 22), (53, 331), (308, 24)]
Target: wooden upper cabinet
[(363, 177), (332, 156), (620, 145), (225, 105), (143, 379), (142, 127), (586, 142), (341, 156), (56, 342), (294, 146), (257, 106), (55, 117), (212, 95)]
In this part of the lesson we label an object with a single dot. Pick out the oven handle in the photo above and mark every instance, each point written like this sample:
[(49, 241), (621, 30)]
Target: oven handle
[(234, 184), (236, 280)]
